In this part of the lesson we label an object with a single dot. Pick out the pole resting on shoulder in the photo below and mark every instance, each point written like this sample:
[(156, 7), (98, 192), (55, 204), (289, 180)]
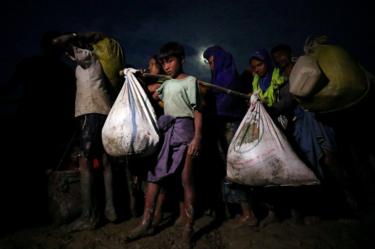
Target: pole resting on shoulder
[(224, 90), (202, 83)]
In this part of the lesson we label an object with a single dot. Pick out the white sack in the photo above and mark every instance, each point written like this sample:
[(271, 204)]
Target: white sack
[(131, 126), (259, 154)]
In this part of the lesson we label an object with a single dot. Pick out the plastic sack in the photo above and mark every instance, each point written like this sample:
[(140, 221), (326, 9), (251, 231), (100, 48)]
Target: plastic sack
[(131, 126), (347, 83), (111, 57), (259, 154), (305, 77)]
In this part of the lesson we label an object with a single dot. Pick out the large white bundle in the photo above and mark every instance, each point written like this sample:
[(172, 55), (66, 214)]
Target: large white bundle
[(259, 154), (343, 83), (131, 126)]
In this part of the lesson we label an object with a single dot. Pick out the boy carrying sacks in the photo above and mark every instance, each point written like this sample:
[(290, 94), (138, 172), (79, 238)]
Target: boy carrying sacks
[(181, 128)]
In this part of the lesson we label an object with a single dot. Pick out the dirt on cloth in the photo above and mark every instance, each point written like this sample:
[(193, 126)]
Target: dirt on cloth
[(314, 234)]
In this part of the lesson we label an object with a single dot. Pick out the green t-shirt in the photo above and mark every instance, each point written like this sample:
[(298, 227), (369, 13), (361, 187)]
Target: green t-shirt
[(180, 96)]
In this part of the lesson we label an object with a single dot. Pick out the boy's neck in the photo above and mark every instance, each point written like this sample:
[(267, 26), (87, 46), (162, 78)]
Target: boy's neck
[(180, 76)]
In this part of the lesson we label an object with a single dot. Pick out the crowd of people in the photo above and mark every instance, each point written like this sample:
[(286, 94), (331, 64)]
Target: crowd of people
[(197, 125)]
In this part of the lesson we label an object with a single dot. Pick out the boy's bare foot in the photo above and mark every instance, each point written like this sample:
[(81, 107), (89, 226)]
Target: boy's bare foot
[(271, 218), (157, 220), (83, 224), (245, 221), (187, 237), (180, 221), (110, 214), (140, 231)]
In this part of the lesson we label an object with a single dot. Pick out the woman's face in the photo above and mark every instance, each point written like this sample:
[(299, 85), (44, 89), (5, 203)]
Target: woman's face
[(153, 66), (258, 67), (211, 62)]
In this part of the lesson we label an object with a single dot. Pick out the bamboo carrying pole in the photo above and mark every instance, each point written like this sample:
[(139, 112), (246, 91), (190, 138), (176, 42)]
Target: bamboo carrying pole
[(200, 82)]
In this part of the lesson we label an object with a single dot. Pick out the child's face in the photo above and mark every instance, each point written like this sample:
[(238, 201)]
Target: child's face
[(172, 66), (153, 67), (258, 67)]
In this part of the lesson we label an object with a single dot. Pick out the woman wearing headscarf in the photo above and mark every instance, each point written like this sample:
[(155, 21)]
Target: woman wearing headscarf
[(273, 91), (227, 112), (271, 87)]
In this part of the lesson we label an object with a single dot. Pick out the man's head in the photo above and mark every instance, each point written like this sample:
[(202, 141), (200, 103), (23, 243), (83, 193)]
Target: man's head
[(282, 55), (172, 56)]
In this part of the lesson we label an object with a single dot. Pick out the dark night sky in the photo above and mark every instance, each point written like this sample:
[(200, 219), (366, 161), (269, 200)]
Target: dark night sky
[(142, 26)]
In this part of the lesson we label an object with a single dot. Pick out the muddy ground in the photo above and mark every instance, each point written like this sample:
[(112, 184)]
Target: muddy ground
[(335, 231), (342, 233)]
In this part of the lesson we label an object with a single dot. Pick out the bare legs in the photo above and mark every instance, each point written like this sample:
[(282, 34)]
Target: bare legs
[(109, 212), (145, 227), (186, 209), (189, 199), (89, 218), (90, 215)]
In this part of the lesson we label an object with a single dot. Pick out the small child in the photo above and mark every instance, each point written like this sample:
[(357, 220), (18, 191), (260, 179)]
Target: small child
[(181, 128)]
